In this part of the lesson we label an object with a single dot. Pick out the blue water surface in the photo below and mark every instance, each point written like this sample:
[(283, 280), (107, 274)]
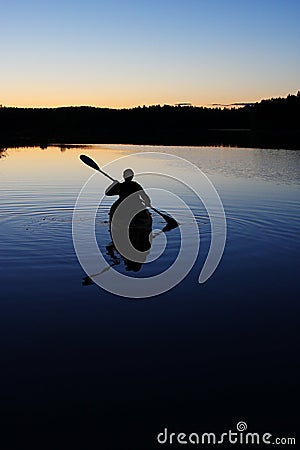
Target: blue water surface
[(79, 363)]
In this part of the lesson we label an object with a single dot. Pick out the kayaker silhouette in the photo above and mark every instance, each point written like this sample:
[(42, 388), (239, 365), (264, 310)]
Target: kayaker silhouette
[(124, 190), (140, 225), (115, 189)]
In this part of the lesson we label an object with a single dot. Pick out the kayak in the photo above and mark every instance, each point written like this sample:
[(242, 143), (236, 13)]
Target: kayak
[(142, 220), (139, 232)]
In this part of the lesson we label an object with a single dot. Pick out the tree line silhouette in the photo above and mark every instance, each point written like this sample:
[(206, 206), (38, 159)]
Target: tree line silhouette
[(270, 123)]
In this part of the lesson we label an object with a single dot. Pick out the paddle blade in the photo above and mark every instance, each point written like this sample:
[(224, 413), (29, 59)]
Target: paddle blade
[(171, 223), (89, 162)]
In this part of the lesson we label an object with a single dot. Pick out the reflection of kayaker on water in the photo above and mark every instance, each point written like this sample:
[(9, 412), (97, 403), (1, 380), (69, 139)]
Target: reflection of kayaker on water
[(127, 188)]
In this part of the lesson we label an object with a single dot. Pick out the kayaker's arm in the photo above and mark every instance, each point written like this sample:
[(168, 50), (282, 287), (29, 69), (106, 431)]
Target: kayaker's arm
[(113, 189), (145, 198)]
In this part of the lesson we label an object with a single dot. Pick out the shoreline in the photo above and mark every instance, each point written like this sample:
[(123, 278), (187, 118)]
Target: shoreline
[(231, 138), (271, 123)]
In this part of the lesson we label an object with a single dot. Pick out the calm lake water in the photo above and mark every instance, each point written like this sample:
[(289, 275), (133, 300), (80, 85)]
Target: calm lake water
[(80, 362)]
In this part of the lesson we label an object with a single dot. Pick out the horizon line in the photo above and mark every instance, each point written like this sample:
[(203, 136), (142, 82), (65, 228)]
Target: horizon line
[(177, 104)]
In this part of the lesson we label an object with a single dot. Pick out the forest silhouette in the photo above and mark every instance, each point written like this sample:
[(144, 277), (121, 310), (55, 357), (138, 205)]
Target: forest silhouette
[(272, 123)]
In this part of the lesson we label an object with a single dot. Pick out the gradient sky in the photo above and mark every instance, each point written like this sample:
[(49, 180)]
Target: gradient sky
[(128, 53)]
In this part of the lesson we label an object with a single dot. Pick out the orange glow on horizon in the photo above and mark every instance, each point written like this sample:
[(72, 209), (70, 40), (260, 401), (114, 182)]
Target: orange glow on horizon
[(128, 105)]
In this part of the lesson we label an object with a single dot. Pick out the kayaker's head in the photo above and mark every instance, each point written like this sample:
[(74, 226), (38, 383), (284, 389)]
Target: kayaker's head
[(128, 175)]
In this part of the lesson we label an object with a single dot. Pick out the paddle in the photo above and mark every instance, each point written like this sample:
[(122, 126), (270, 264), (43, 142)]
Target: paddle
[(171, 223), (90, 162)]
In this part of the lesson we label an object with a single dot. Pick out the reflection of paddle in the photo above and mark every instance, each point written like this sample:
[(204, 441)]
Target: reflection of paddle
[(171, 223), (87, 281)]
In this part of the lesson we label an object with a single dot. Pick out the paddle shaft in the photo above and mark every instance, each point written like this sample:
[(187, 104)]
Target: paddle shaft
[(106, 174)]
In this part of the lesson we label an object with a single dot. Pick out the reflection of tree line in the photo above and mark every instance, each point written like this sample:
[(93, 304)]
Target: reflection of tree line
[(260, 123)]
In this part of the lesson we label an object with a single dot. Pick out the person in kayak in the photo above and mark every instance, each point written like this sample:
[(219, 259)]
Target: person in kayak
[(125, 189)]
